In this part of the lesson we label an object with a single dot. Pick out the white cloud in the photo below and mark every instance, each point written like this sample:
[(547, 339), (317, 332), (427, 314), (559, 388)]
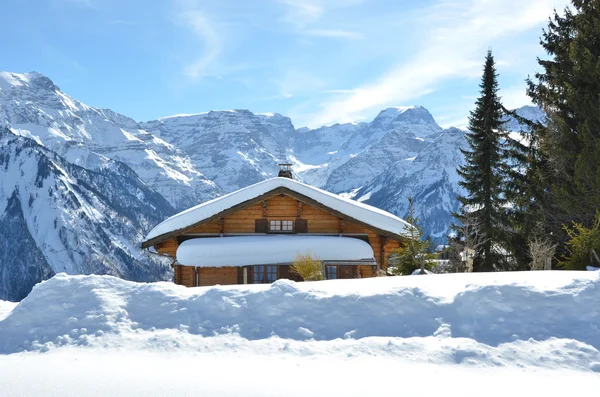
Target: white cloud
[(206, 33), (301, 12), (515, 97), (454, 49), (333, 33)]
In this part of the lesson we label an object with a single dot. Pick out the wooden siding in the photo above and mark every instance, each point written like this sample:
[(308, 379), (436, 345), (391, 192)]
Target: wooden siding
[(277, 208), (217, 275), (186, 275)]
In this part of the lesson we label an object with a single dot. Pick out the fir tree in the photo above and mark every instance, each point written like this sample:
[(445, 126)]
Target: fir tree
[(569, 144), (408, 258), (483, 173), (525, 192)]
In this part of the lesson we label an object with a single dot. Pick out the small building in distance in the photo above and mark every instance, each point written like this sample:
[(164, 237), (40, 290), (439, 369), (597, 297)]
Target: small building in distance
[(253, 235)]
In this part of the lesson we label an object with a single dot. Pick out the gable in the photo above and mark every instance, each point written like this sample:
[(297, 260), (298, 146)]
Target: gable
[(248, 198)]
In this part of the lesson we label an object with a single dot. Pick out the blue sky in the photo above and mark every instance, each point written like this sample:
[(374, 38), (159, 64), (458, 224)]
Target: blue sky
[(317, 61)]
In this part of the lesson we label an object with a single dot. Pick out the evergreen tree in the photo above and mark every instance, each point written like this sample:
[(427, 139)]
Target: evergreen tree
[(569, 144), (524, 191), (484, 172), (408, 258)]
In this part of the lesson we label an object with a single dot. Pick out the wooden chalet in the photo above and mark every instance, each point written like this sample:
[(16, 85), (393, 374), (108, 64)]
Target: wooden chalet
[(254, 234)]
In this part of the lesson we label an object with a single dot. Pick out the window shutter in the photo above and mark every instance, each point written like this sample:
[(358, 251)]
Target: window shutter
[(284, 272), (301, 226), (250, 274), (261, 226)]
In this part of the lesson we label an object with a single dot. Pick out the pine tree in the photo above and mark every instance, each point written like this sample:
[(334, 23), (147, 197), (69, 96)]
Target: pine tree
[(408, 258), (483, 173), (524, 190), (569, 144)]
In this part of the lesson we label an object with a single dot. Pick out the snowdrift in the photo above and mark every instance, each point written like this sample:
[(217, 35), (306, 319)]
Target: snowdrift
[(490, 309)]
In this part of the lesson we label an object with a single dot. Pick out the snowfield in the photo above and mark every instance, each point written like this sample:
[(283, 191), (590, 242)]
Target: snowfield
[(530, 333)]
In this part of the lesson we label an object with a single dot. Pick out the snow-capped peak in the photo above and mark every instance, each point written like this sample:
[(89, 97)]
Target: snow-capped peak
[(414, 115)]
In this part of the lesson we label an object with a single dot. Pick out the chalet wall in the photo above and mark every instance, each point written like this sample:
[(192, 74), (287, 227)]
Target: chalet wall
[(186, 275), (286, 208), (219, 275)]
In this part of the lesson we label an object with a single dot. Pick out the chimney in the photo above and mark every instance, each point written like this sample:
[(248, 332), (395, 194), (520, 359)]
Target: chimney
[(285, 171)]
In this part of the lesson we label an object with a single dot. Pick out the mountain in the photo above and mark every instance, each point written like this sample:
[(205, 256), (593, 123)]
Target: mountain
[(237, 147), (430, 178), (59, 217), (81, 185), (233, 148), (532, 113), (402, 152), (33, 106)]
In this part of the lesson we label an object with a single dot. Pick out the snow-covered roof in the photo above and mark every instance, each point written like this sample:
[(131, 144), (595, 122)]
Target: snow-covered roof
[(358, 211), (273, 249)]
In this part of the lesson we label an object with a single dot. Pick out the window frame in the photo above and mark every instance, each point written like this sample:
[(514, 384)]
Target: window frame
[(263, 272), (278, 226), (327, 272)]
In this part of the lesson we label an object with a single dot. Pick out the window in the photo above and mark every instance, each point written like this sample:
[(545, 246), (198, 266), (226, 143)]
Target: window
[(330, 272), (265, 274), (281, 226)]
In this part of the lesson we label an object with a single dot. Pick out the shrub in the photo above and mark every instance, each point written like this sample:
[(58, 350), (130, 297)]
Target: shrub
[(583, 247), (307, 267)]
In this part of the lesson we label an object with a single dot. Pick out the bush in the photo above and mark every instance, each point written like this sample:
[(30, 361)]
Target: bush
[(583, 247), (307, 267)]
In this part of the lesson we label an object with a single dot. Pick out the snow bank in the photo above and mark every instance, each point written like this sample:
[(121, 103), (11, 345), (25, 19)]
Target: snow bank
[(274, 249), (94, 373), (488, 308), (362, 212), (509, 334)]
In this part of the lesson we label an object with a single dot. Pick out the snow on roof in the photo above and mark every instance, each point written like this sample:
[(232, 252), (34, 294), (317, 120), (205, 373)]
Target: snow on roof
[(269, 250), (359, 211)]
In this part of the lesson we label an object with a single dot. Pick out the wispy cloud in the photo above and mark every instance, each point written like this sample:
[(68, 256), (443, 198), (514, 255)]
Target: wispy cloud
[(454, 49), (310, 17), (301, 12), (333, 33), (199, 23)]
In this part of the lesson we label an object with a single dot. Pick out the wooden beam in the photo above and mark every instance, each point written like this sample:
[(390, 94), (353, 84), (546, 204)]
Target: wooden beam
[(383, 241), (299, 211), (264, 209)]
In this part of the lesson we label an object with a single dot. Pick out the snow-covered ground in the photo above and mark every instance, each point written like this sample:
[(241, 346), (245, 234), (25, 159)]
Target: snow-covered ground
[(533, 333)]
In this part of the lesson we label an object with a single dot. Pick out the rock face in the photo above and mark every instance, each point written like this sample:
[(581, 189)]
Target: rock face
[(81, 185), (234, 148), (34, 107), (59, 217)]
